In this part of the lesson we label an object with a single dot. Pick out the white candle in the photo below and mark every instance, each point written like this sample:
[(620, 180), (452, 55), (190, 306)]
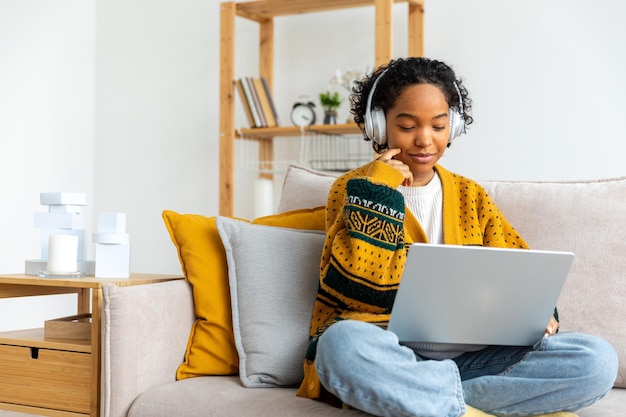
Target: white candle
[(62, 253), (263, 197)]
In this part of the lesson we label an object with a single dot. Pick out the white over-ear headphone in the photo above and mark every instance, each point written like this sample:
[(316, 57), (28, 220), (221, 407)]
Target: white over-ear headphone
[(376, 125)]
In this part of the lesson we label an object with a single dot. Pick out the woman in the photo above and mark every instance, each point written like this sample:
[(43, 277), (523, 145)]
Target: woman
[(412, 110)]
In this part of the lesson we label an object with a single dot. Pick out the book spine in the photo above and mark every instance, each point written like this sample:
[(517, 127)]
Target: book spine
[(268, 93), (250, 101), (265, 103), (245, 103), (257, 103)]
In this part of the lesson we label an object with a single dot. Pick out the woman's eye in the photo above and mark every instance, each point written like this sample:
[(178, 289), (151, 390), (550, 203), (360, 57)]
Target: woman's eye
[(406, 128), (439, 128)]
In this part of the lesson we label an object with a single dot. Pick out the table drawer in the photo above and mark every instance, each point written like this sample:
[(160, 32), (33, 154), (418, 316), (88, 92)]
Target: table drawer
[(53, 379)]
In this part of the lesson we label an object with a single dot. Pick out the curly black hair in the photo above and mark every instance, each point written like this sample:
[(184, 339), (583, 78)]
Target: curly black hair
[(400, 74)]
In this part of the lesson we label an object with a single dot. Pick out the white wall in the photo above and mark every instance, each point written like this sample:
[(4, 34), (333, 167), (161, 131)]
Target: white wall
[(46, 129), (123, 97), (545, 76), (547, 82), (156, 118)]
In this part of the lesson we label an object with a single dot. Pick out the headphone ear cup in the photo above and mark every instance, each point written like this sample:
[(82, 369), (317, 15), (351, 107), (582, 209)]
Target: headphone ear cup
[(378, 126), (457, 124)]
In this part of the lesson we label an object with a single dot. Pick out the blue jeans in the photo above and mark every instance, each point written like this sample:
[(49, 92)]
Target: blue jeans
[(366, 368)]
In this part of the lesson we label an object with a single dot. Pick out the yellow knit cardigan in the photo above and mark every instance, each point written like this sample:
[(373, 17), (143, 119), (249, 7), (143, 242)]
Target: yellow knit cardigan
[(367, 230)]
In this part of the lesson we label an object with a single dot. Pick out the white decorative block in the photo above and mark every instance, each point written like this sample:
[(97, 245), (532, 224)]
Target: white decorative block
[(59, 220), (79, 199), (111, 222), (112, 246), (112, 261), (65, 208), (111, 238)]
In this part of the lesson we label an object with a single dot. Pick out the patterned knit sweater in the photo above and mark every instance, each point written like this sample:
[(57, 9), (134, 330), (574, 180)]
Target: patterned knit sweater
[(367, 230)]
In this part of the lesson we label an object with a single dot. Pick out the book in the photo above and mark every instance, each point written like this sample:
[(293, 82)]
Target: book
[(268, 93), (257, 102), (249, 100), (245, 103), (264, 101)]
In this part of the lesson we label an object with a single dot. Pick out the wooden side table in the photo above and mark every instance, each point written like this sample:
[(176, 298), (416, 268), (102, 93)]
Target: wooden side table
[(56, 377)]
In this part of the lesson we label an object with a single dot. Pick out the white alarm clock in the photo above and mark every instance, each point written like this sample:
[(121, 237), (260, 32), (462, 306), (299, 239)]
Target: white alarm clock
[(303, 113)]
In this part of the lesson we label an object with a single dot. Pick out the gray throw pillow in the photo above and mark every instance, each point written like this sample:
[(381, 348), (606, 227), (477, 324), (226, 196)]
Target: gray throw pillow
[(273, 275)]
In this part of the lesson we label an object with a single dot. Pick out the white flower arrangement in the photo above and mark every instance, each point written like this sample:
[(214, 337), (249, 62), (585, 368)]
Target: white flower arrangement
[(346, 78)]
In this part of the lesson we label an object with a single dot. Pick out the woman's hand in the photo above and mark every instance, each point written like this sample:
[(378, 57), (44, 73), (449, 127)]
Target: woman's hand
[(388, 158), (552, 327)]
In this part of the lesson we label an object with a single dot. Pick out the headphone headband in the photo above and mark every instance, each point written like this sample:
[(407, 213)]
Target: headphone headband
[(458, 91)]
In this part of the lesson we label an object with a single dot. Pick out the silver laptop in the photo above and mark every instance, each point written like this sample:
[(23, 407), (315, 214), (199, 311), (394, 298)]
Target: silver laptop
[(477, 295)]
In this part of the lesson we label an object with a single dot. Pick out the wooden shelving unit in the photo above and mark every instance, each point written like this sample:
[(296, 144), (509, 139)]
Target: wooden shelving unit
[(264, 12)]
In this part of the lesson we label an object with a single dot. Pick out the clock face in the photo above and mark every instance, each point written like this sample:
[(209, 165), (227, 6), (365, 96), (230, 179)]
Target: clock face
[(302, 115)]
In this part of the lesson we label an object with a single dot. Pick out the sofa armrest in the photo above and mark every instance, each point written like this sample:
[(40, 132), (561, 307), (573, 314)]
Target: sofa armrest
[(145, 330)]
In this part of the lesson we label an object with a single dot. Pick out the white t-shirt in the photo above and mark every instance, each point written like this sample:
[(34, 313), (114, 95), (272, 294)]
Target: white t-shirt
[(425, 202)]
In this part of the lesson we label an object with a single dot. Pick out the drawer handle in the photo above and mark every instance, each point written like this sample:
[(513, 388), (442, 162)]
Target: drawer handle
[(34, 353)]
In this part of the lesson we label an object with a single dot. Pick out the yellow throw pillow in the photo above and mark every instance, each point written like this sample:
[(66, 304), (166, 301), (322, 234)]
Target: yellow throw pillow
[(211, 346), (304, 219)]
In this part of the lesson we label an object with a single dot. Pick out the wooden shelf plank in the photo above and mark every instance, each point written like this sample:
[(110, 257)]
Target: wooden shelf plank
[(10, 284), (25, 409), (35, 338), (283, 131), (263, 10), (17, 290)]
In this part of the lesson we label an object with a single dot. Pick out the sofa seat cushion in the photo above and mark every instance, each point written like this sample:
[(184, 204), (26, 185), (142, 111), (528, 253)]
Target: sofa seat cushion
[(613, 405), (224, 396)]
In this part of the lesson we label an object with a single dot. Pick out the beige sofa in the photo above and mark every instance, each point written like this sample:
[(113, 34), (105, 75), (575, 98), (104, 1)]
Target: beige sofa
[(148, 331)]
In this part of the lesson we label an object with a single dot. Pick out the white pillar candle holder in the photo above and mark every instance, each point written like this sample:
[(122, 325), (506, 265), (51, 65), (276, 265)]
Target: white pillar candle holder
[(62, 256), (263, 197)]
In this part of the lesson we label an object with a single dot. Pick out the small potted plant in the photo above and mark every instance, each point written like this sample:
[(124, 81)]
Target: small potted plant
[(330, 103)]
